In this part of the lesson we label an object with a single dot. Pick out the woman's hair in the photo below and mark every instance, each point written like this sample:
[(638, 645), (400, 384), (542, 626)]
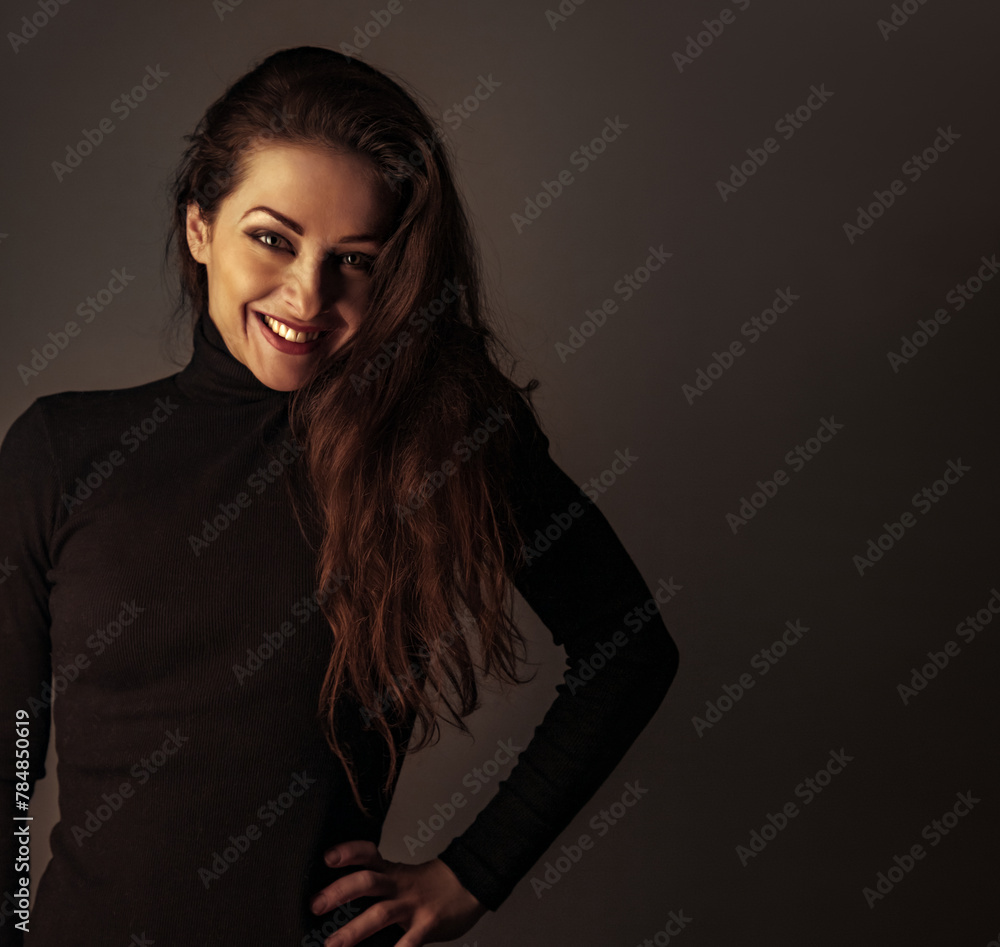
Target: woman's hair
[(409, 430)]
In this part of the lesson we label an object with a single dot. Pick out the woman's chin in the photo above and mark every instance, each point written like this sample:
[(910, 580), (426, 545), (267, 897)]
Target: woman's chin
[(282, 373)]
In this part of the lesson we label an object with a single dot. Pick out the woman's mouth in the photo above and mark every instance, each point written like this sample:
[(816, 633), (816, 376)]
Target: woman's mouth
[(286, 332), (287, 339)]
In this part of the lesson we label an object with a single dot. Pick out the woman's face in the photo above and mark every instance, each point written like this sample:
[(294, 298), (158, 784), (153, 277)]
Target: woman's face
[(288, 257)]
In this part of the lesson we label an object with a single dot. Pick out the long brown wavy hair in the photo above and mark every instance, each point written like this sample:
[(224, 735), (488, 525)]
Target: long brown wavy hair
[(409, 430)]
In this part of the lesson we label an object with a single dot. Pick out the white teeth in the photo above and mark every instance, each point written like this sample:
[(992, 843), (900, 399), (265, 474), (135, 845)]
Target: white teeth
[(288, 333)]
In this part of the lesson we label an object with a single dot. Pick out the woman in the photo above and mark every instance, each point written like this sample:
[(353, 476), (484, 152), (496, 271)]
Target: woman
[(258, 582)]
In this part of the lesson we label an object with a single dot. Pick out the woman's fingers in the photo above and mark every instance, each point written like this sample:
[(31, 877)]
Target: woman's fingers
[(358, 884), (427, 900), (354, 852), (369, 922)]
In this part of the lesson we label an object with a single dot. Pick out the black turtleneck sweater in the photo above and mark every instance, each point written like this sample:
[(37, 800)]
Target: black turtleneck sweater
[(154, 568)]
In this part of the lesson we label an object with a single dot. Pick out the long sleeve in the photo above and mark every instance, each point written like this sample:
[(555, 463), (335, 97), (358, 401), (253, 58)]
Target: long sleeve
[(28, 504), (583, 585)]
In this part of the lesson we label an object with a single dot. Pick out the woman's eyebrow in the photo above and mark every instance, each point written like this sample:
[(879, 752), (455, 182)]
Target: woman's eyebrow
[(299, 229), (287, 221)]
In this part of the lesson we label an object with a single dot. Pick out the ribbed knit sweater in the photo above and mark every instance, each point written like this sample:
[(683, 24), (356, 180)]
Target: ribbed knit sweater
[(158, 602)]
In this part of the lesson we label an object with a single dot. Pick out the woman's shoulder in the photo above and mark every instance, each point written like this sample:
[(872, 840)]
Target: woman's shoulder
[(86, 416), (526, 424)]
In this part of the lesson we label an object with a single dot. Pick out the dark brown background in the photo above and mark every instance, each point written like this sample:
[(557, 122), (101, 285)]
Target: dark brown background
[(827, 356)]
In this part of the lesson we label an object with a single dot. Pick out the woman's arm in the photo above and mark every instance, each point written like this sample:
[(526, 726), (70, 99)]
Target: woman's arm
[(28, 500), (585, 588)]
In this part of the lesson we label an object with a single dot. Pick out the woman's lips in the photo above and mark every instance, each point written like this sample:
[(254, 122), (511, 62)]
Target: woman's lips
[(288, 343), (286, 331)]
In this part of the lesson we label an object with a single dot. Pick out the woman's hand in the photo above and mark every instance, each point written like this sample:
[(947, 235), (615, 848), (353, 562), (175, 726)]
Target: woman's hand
[(426, 900)]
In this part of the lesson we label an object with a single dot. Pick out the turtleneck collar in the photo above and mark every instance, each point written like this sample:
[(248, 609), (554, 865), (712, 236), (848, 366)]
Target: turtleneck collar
[(214, 374)]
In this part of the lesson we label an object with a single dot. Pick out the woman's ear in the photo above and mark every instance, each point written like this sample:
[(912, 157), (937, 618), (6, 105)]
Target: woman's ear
[(199, 233)]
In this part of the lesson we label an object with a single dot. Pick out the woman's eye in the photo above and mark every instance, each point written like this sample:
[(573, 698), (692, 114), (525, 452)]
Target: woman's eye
[(269, 239), (356, 260)]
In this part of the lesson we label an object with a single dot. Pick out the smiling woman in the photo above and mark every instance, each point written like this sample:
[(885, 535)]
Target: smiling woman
[(318, 560), (286, 298)]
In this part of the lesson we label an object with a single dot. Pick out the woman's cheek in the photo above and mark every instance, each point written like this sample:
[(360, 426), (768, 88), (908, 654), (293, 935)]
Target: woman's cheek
[(361, 299)]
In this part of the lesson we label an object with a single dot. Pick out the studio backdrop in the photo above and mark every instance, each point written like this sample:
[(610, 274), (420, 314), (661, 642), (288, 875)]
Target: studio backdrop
[(751, 253)]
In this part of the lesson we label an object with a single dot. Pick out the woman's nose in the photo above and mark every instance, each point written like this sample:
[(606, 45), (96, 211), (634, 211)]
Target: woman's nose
[(312, 288)]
